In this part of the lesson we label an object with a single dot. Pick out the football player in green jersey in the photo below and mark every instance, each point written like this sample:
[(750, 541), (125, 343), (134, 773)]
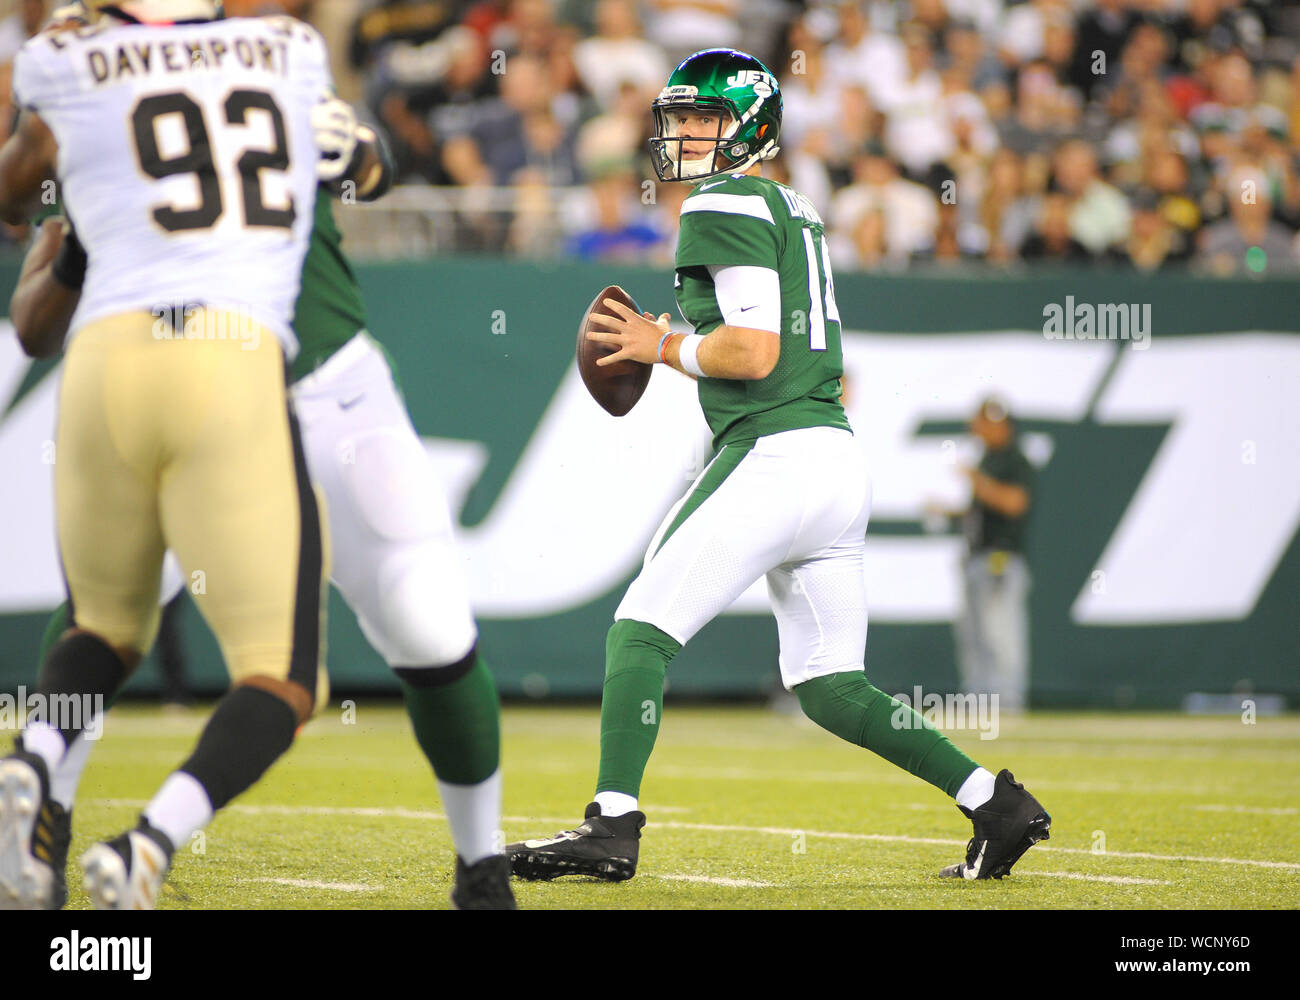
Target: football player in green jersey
[(786, 496), (394, 558)]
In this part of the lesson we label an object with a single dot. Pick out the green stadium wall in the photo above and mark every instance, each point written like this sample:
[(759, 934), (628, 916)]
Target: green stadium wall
[(1163, 548)]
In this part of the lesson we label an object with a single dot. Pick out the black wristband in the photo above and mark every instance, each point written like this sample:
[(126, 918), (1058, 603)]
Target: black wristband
[(387, 168), (69, 265), (383, 184)]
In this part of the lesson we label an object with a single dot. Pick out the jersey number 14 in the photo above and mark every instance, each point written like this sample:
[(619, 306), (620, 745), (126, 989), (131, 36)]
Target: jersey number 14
[(818, 315)]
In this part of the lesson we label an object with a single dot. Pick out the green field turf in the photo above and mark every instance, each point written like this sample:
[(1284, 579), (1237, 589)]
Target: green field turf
[(748, 808)]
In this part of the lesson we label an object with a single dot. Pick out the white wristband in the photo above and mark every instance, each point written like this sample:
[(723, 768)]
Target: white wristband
[(689, 352)]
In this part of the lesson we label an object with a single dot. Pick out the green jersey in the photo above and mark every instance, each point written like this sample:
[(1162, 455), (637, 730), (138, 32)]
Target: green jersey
[(751, 221), (329, 311)]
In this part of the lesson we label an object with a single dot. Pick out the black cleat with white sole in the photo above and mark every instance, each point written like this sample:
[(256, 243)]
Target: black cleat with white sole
[(127, 872), (1006, 826), (603, 847), (34, 835), (51, 839)]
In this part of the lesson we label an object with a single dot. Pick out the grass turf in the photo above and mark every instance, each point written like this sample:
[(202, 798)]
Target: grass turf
[(748, 808)]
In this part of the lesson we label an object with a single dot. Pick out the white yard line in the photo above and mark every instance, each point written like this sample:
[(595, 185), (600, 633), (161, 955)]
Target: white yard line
[(898, 778), (1257, 810), (302, 883), (382, 812), (778, 831), (1112, 879), (905, 839), (730, 883)]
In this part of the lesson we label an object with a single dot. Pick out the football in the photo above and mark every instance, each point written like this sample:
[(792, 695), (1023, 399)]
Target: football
[(615, 387)]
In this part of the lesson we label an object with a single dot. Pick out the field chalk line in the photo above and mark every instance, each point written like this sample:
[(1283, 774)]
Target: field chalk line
[(779, 831), (303, 883)]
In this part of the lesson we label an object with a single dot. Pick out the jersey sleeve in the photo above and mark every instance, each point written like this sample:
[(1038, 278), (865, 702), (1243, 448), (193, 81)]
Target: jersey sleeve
[(725, 229), (309, 59), (34, 84), (316, 61)]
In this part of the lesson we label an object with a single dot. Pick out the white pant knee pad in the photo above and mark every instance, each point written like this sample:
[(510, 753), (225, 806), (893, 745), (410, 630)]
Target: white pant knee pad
[(422, 617)]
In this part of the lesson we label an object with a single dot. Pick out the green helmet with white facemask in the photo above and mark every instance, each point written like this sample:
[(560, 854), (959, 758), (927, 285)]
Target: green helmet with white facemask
[(735, 89)]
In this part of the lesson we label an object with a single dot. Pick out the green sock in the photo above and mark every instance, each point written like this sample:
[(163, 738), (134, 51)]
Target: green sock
[(636, 659), (849, 706), (458, 725), (54, 629)]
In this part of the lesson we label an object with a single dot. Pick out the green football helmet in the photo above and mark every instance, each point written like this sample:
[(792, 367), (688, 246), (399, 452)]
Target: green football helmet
[(737, 90)]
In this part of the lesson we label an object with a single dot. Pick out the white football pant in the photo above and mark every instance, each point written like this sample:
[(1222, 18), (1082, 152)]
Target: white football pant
[(794, 509)]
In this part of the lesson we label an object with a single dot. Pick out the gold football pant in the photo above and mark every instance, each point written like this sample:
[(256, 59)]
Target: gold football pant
[(192, 445)]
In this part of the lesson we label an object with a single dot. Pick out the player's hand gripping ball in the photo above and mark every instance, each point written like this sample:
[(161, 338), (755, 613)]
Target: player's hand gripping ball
[(618, 385)]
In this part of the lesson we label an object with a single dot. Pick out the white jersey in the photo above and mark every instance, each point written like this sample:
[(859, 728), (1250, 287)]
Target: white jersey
[(187, 160)]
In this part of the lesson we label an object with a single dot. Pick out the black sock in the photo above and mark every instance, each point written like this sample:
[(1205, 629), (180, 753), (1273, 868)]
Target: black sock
[(248, 731), (80, 668)]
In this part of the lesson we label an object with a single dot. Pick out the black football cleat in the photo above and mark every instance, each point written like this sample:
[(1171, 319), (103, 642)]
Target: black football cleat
[(127, 872), (1006, 826), (51, 839), (604, 847), (484, 885), (35, 832)]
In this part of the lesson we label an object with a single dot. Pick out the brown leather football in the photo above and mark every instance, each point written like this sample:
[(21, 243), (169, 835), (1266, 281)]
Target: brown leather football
[(615, 387)]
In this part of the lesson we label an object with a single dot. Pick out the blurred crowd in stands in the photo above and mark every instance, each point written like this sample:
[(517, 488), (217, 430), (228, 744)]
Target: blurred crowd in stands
[(1148, 134)]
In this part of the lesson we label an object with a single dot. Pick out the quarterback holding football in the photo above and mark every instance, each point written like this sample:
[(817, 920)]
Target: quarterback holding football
[(786, 496)]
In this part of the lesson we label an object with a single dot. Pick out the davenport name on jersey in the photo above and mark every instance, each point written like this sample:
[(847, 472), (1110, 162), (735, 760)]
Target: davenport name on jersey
[(186, 158)]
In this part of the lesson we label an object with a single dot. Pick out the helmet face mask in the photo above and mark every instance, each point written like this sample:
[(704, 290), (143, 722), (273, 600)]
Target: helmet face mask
[(740, 102), (714, 125)]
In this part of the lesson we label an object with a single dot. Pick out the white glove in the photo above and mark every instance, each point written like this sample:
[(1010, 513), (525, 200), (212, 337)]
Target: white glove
[(335, 126)]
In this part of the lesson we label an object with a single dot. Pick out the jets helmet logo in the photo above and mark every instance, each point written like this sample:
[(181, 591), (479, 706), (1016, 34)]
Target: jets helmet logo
[(762, 83)]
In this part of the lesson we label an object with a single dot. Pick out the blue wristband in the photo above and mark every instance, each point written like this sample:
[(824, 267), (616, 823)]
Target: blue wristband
[(660, 349)]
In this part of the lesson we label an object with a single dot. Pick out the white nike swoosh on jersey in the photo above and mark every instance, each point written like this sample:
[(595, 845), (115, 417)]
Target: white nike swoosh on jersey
[(972, 871), (705, 187)]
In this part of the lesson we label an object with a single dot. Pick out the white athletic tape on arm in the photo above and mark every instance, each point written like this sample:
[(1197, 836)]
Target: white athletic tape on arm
[(748, 296), (689, 355)]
